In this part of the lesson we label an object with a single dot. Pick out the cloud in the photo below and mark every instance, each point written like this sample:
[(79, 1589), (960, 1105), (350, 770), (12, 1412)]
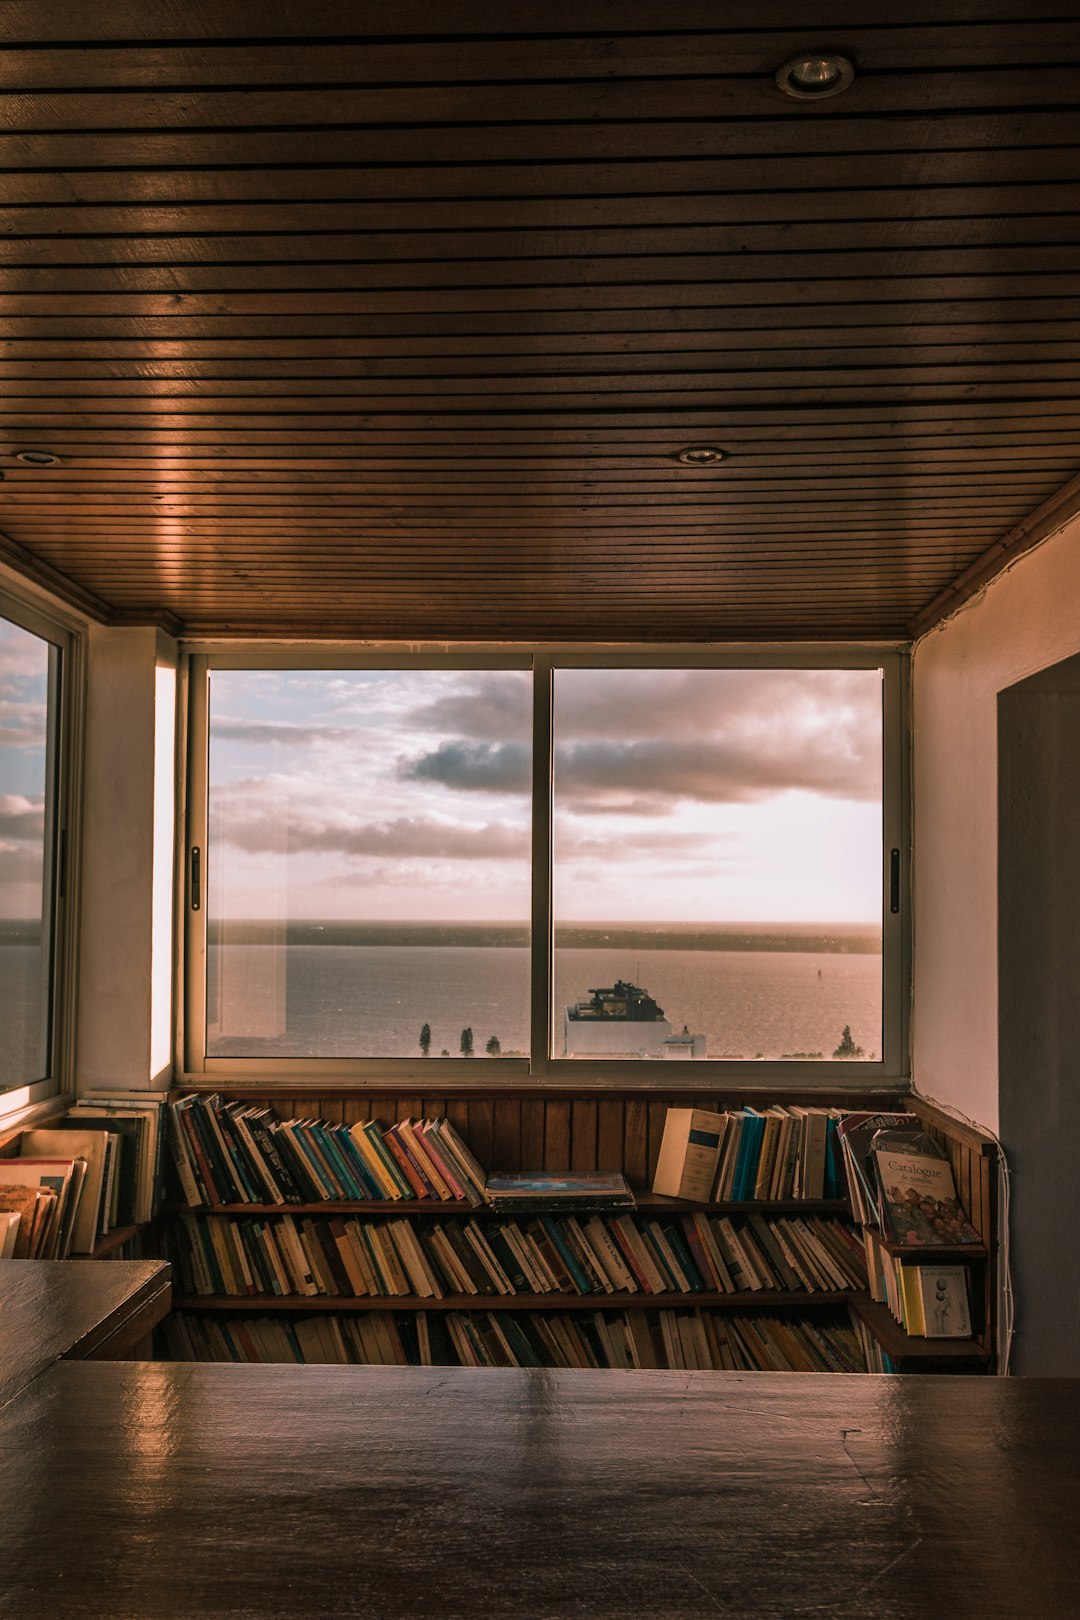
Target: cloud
[(739, 770), (572, 845), (633, 742), (663, 703), (265, 818), (22, 819), (277, 732), (474, 767), (18, 864), (498, 706)]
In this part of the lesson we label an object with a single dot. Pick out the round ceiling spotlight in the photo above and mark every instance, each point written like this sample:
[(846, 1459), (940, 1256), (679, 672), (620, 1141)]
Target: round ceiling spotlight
[(37, 458), (812, 78), (700, 455)]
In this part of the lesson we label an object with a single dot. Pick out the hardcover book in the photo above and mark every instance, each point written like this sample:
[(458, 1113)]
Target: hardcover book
[(689, 1153)]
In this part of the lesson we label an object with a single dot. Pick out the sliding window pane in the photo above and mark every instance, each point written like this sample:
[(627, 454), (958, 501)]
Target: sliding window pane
[(29, 670), (717, 873), (368, 859)]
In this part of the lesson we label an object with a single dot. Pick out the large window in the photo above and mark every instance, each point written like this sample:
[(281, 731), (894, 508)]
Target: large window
[(563, 867), (33, 655)]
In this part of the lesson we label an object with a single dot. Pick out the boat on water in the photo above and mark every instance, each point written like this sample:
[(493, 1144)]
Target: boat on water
[(623, 1020)]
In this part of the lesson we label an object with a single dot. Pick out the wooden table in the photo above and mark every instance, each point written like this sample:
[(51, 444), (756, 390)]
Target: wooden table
[(82, 1309), (157, 1492)]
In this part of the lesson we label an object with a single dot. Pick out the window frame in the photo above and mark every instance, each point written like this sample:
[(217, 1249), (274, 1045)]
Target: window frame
[(542, 1070), (63, 793)]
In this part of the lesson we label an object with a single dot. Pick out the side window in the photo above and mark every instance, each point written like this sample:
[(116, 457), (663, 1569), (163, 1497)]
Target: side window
[(31, 674)]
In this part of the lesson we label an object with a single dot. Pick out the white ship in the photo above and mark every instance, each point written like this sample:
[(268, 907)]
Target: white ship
[(625, 1021)]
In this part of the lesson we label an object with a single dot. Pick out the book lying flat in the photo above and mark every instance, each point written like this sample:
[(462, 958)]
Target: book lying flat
[(570, 1189)]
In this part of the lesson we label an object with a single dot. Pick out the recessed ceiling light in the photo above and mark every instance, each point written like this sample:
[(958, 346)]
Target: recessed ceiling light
[(36, 458), (812, 78), (700, 455)]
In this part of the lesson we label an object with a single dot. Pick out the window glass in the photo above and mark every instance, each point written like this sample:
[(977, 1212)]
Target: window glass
[(717, 863), (368, 863), (29, 670)]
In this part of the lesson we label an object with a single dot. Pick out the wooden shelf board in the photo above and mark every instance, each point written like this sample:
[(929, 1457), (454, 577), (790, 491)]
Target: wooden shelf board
[(762, 1301), (647, 1204), (902, 1346), (107, 1245), (951, 1255)]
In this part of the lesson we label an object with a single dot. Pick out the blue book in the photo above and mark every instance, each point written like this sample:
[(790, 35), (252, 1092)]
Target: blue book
[(343, 1171), (749, 1153), (351, 1153), (581, 1282)]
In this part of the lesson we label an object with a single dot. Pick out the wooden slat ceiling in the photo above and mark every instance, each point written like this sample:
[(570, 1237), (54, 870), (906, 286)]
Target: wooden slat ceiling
[(395, 333)]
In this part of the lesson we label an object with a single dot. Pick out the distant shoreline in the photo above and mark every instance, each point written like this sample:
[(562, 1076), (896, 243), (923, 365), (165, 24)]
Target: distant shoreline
[(839, 938)]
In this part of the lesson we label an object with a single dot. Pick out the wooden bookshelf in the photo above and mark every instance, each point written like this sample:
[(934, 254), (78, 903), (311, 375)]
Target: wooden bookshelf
[(521, 1131)]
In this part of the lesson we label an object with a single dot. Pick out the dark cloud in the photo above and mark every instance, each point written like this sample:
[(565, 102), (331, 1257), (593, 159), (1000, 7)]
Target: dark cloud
[(21, 819), (498, 707), (474, 767), (631, 742)]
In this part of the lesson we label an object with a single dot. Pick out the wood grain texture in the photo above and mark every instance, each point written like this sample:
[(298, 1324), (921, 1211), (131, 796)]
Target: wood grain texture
[(276, 1491), (387, 323)]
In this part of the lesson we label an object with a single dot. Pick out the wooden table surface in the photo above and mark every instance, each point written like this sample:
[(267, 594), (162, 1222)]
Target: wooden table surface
[(158, 1492), (77, 1308)]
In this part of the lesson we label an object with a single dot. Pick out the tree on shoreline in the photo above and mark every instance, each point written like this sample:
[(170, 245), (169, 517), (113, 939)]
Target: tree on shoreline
[(467, 1042), (493, 1047), (425, 1040), (847, 1047)]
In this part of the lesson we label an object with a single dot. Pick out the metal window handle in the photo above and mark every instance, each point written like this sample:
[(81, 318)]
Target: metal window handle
[(894, 881), (196, 879)]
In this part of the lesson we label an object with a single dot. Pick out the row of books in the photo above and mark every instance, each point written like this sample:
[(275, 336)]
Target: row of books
[(675, 1339), (750, 1155), (286, 1255), (929, 1302), (68, 1186), (242, 1153)]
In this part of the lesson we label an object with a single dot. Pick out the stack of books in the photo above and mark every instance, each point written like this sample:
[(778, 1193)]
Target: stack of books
[(548, 1254), (629, 1340), (240, 1153)]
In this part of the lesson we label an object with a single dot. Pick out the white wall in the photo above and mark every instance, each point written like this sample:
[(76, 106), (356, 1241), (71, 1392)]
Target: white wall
[(126, 921), (1024, 621)]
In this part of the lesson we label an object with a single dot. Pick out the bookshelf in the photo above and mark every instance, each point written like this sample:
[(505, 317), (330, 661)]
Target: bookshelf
[(611, 1132)]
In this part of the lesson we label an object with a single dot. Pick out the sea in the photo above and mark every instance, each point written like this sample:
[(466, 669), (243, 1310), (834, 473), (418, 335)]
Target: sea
[(346, 999), (336, 1000)]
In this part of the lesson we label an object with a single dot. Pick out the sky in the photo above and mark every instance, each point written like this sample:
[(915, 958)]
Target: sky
[(696, 796), (24, 672)]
